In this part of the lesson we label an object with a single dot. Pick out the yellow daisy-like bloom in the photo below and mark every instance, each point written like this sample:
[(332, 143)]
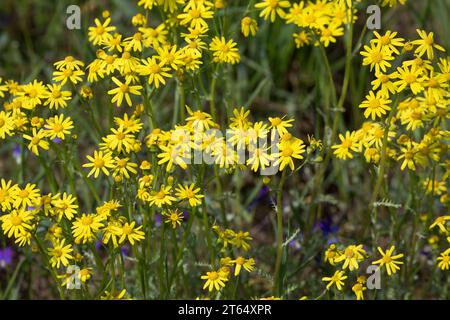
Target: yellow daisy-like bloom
[(60, 254), (154, 37), (156, 71), (409, 77), (162, 197), (331, 254), (224, 51), (288, 152), (85, 274), (249, 26), (239, 240), (376, 105), (408, 155), (280, 125), (272, 8), (359, 289), (377, 57), (69, 62), (99, 162), (66, 74), (6, 124), (101, 32), (195, 14), (64, 205), (241, 262), (351, 256), (426, 44), (444, 260), (119, 140), (123, 167), (169, 55), (389, 261), (329, 33), (174, 154), (7, 190), (17, 222), (190, 193), (56, 98), (130, 233), (259, 157), (199, 120), (174, 217), (214, 280), (336, 279), (84, 227), (58, 127), (440, 223), (123, 90), (29, 196), (349, 142), (389, 41)]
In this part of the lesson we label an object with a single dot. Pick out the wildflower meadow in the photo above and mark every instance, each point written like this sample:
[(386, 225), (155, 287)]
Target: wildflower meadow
[(222, 150)]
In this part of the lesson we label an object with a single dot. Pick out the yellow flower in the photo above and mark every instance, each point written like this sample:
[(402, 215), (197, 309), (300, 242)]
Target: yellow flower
[(162, 197), (389, 261), (123, 90), (64, 205), (195, 14), (99, 162), (337, 279), (375, 105), (359, 289), (224, 51), (280, 124), (27, 197), (247, 264), (409, 77), (239, 239), (69, 62), (377, 57), (58, 127), (6, 124), (272, 8), (85, 274), (426, 44), (190, 193), (100, 33), (440, 223), (17, 222), (63, 75), (349, 142), (60, 254), (84, 227), (288, 152), (351, 256), (249, 26), (7, 191), (389, 41), (56, 98), (444, 260), (123, 167), (214, 280), (156, 71), (329, 33), (37, 141), (130, 233), (174, 217)]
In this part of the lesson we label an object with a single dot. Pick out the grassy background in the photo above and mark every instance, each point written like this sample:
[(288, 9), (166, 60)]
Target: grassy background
[(273, 78)]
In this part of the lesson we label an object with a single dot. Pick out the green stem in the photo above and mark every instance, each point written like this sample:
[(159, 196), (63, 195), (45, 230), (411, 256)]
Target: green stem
[(279, 235)]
